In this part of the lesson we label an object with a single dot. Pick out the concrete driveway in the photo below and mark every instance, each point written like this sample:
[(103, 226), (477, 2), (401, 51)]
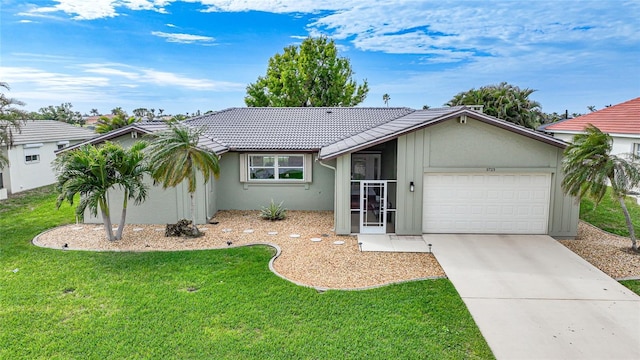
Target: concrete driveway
[(532, 298)]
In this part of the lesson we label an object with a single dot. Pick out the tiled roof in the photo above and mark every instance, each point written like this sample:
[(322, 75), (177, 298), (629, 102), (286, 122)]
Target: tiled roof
[(331, 131), (145, 128), (41, 131), (291, 128), (421, 119), (622, 118)]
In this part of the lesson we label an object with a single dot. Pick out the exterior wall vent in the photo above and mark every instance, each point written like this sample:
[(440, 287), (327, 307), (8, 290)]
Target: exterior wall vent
[(134, 135), (462, 119), (478, 108)]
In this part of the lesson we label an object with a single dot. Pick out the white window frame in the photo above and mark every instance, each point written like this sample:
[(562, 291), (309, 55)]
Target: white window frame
[(245, 168), (30, 159), (32, 153), (636, 149)]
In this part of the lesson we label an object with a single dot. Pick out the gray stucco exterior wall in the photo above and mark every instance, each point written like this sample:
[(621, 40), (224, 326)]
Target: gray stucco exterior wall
[(452, 147), (160, 207), (236, 195)]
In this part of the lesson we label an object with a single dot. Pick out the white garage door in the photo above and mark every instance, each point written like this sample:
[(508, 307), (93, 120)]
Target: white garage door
[(486, 203)]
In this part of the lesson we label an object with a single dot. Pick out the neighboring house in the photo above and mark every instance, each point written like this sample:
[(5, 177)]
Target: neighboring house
[(381, 170), (33, 151), (621, 121)]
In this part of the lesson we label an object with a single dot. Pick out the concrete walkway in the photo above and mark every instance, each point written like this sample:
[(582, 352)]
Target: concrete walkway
[(392, 243), (532, 298)]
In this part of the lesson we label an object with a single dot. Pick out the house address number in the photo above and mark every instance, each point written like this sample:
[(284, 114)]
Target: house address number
[(491, 169)]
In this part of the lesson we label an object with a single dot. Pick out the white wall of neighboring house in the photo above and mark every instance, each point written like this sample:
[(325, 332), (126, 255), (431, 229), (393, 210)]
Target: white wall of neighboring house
[(622, 143), (29, 174), (30, 165)]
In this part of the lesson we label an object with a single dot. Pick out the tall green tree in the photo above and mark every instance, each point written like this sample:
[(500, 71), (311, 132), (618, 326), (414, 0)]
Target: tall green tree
[(11, 118), (504, 101), (590, 168), (91, 172), (175, 156), (309, 75), (63, 113)]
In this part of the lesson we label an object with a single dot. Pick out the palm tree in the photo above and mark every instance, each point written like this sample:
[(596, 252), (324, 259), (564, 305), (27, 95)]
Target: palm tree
[(131, 167), (94, 112), (11, 120), (590, 168), (106, 124), (175, 156), (386, 99), (92, 171), (503, 101)]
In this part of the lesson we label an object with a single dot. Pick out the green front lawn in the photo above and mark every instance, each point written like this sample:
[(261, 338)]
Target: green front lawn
[(204, 304), (608, 214)]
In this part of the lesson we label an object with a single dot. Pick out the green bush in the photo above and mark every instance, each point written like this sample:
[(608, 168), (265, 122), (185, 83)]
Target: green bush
[(274, 212)]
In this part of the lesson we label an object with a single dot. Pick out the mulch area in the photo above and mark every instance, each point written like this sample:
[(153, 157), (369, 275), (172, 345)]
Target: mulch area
[(313, 255)]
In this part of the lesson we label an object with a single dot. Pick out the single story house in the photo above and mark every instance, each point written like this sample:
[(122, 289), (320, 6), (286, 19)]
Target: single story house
[(33, 151), (380, 170), (621, 121)]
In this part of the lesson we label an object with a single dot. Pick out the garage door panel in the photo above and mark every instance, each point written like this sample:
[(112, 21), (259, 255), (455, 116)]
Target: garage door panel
[(486, 203)]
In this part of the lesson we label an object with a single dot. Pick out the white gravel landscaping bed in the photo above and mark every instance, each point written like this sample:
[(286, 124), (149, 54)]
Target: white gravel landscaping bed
[(321, 264), (609, 253)]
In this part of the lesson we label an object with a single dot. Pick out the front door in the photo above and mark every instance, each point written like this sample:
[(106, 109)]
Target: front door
[(373, 199)]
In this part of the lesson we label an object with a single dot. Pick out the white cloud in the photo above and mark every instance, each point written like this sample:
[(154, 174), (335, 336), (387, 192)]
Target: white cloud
[(442, 31), (183, 38), (116, 71), (97, 9)]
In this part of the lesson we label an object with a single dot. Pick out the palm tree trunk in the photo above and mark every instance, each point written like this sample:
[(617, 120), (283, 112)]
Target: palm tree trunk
[(123, 216), (193, 214), (106, 218), (627, 217)]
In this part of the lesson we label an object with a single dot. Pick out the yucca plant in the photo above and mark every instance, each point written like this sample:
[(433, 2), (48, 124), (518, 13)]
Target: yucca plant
[(274, 212)]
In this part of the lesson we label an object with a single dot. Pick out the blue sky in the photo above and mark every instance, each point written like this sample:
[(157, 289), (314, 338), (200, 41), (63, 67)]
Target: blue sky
[(183, 56)]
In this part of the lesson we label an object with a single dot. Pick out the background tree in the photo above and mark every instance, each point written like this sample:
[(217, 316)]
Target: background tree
[(140, 112), (63, 113), (94, 112), (309, 75), (118, 111), (425, 107), (11, 118), (590, 168), (175, 157), (92, 171), (505, 102), (386, 99), (120, 120)]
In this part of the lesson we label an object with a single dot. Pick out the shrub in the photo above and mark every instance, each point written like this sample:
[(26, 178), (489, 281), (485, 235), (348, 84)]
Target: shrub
[(274, 212)]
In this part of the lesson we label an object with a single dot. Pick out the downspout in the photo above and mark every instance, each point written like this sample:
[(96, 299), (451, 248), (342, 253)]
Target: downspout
[(335, 193)]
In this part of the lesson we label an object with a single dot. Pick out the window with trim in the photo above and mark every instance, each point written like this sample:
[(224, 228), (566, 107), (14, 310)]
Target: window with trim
[(32, 153), (636, 149), (31, 158), (62, 144), (275, 167)]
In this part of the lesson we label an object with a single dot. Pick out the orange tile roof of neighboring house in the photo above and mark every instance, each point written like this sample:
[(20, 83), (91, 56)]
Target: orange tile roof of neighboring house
[(623, 118)]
